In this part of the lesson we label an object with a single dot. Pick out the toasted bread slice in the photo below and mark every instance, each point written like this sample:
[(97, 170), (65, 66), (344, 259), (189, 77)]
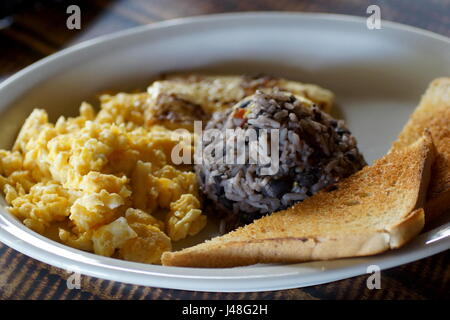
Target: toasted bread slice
[(217, 92), (376, 209), (433, 114)]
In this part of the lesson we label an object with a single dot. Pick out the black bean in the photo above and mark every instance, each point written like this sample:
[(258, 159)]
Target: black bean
[(350, 156), (331, 187), (276, 188), (226, 202), (317, 115), (245, 104), (306, 179), (201, 176), (342, 131)]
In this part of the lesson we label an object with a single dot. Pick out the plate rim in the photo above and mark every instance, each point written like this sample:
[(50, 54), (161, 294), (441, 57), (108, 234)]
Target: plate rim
[(114, 36), (97, 266)]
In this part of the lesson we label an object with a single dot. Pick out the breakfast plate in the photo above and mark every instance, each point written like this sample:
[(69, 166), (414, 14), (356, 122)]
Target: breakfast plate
[(377, 76)]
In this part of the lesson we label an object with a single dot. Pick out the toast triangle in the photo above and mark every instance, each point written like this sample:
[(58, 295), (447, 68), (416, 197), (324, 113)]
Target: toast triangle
[(433, 114)]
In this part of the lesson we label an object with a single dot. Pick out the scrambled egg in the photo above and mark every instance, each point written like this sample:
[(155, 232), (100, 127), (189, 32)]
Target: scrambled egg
[(102, 182)]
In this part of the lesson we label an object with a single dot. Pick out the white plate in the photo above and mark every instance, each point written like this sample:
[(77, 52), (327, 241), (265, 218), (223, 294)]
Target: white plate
[(377, 75)]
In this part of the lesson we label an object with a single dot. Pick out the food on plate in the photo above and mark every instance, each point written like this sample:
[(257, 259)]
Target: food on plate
[(433, 113), (314, 151), (374, 210), (218, 92), (102, 182)]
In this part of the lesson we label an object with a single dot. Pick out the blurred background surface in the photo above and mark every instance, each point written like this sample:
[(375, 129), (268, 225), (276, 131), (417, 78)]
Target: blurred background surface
[(33, 29)]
